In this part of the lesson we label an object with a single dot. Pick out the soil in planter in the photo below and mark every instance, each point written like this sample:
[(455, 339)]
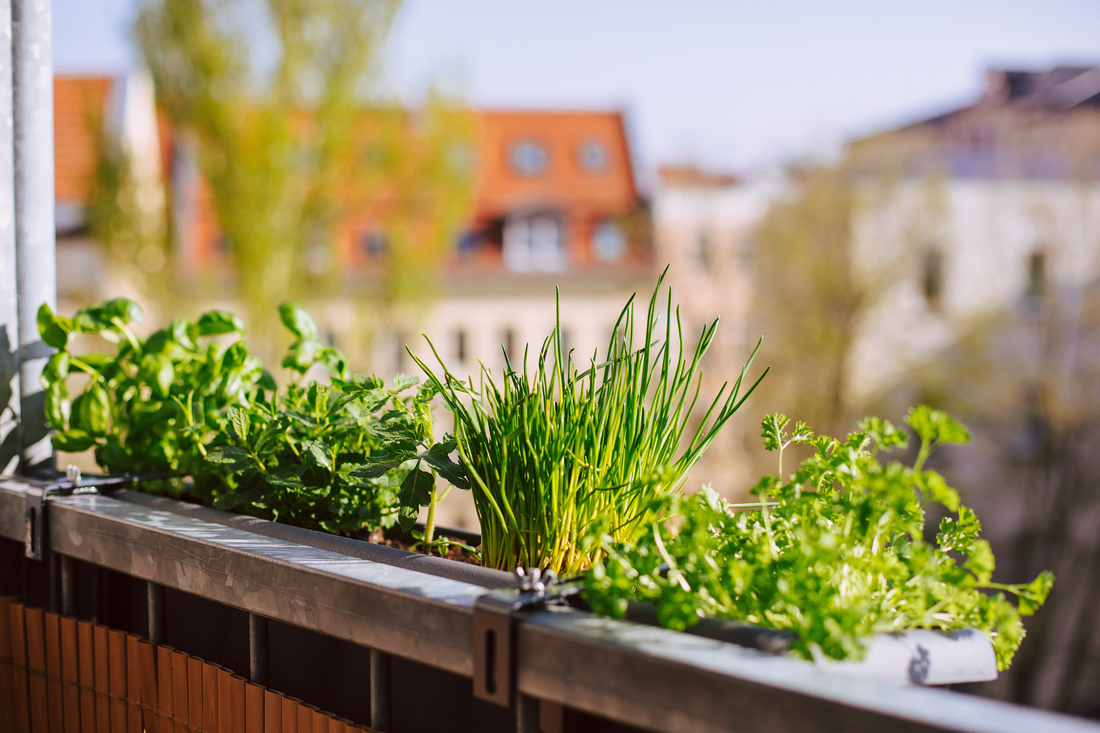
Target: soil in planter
[(395, 537)]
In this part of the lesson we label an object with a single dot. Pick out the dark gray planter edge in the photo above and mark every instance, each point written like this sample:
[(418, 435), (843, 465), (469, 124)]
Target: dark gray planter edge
[(438, 566)]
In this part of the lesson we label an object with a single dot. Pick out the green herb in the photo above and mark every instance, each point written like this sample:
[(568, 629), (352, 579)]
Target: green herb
[(294, 461), (549, 454), (406, 435), (835, 551), (313, 455), (149, 406), (339, 458)]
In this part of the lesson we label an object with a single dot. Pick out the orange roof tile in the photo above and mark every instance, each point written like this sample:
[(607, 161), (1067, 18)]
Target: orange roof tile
[(565, 180)]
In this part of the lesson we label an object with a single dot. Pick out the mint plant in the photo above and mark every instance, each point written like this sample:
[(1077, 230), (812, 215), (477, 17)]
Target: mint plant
[(834, 551), (289, 458), (338, 458), (406, 435)]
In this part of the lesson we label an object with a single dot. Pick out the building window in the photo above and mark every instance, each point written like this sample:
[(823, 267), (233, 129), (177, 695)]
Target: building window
[(932, 277), (565, 339), (374, 243), (704, 252), (507, 343), (593, 157), (534, 244), (460, 344), (469, 243), (608, 242), (528, 158), (1036, 275)]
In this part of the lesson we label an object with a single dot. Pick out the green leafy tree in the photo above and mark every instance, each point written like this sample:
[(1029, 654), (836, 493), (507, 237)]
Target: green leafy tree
[(126, 212), (290, 148)]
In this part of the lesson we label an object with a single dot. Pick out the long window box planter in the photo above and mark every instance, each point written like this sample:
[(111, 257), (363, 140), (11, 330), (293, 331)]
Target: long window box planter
[(569, 665)]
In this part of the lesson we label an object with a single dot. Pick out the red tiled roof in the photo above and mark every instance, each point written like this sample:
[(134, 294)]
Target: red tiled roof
[(565, 180), (585, 194)]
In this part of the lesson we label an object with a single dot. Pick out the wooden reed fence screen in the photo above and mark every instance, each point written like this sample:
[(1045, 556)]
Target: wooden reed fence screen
[(61, 675)]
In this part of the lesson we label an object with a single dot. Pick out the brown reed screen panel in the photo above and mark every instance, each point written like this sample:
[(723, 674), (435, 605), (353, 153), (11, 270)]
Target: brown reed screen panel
[(60, 675)]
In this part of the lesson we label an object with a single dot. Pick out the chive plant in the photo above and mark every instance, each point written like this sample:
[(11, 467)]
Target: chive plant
[(551, 451)]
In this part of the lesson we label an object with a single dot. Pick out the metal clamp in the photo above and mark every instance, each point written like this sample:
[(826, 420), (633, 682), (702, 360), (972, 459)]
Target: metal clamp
[(39, 490), (35, 521), (495, 616)]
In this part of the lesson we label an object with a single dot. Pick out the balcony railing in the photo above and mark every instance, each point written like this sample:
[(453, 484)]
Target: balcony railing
[(396, 643)]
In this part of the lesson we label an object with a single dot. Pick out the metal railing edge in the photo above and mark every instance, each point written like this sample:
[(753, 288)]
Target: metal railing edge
[(637, 674)]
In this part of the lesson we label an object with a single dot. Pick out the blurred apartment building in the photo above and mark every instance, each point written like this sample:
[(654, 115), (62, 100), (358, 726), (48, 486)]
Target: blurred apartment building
[(90, 113), (556, 204), (986, 236), (981, 209), (703, 230)]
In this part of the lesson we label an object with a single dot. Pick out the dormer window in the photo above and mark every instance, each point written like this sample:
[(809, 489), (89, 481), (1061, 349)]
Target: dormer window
[(528, 158), (608, 242), (593, 156), (534, 243)]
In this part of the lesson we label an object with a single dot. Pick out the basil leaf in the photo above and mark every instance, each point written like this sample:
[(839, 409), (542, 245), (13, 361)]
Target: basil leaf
[(94, 409), (57, 405), (54, 330), (72, 441), (298, 320), (218, 322)]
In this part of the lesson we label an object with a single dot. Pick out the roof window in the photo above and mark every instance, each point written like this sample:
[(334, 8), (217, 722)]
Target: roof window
[(593, 156), (528, 158)]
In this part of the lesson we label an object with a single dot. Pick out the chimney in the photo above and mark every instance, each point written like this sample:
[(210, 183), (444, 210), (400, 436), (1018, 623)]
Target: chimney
[(997, 89)]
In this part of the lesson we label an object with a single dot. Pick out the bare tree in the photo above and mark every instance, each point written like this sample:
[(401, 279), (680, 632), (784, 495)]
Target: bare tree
[(819, 274)]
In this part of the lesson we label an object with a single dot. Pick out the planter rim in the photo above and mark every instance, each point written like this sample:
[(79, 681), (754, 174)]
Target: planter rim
[(438, 566), (643, 676)]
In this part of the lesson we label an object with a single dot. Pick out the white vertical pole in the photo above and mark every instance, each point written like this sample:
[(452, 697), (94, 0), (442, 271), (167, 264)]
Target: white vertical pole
[(9, 309), (35, 237)]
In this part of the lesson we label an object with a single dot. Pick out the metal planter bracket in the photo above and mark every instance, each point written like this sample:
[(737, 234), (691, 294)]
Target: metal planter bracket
[(496, 614), (39, 491), (34, 521)]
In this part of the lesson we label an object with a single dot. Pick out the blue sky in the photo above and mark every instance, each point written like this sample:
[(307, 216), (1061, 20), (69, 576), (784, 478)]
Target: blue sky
[(719, 83)]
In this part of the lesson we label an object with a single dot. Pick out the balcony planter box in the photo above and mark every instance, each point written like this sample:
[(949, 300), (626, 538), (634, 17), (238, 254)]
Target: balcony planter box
[(917, 657), (412, 616)]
